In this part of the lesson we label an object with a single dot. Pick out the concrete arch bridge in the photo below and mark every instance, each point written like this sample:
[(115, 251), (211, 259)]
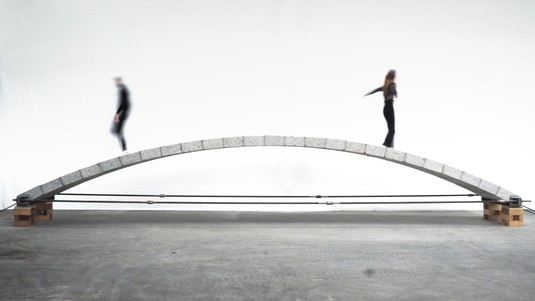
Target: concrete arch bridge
[(488, 191)]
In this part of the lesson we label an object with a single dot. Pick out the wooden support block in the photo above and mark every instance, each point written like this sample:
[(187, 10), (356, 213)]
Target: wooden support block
[(24, 216), (24, 222), (44, 211), (41, 218), (512, 217), (492, 211), (26, 210)]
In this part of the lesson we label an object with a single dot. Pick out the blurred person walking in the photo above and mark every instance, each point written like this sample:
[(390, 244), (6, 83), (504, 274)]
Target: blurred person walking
[(122, 112), (389, 93)]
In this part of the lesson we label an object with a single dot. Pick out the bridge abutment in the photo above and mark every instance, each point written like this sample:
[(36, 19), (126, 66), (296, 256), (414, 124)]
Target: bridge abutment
[(27, 212), (510, 214), (44, 210), (24, 215)]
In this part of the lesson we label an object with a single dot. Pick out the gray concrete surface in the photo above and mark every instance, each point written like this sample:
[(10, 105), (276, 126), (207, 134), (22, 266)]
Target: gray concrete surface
[(139, 255)]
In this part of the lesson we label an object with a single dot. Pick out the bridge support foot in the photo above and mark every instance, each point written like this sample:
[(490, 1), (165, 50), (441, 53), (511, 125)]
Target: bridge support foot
[(508, 214), (512, 216), (24, 215), (492, 211), (43, 211), (27, 212)]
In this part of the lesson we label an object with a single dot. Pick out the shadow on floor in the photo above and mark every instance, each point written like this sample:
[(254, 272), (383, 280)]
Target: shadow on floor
[(88, 218)]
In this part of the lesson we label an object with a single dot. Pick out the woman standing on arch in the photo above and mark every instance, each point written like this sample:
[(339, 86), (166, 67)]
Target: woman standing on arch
[(389, 92)]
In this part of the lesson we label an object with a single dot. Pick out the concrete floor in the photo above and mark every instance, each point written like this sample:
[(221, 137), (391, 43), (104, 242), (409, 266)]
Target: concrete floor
[(141, 255)]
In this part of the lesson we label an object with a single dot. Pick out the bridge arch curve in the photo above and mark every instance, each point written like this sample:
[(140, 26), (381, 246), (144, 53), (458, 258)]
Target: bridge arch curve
[(472, 183)]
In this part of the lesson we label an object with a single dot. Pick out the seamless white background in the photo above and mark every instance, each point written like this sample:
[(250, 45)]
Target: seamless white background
[(209, 69)]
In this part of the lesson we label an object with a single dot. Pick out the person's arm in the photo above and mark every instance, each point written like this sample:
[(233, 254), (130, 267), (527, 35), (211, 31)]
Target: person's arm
[(117, 119), (374, 91), (123, 104)]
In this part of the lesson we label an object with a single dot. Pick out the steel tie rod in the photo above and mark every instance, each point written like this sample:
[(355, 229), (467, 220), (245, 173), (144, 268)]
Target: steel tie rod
[(265, 196)]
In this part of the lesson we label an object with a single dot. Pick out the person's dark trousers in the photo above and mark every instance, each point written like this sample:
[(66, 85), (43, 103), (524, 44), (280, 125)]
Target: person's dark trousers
[(118, 130), (388, 112)]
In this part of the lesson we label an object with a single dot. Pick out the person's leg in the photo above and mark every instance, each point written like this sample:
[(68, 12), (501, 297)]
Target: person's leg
[(120, 135), (123, 141), (388, 112)]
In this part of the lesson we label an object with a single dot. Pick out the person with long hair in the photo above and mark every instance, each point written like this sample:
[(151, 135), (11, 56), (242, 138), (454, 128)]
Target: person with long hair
[(122, 112), (389, 93)]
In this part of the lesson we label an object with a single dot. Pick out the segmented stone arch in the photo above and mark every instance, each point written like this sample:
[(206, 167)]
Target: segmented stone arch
[(472, 183)]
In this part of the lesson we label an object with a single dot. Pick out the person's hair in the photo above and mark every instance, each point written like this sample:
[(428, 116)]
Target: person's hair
[(389, 78)]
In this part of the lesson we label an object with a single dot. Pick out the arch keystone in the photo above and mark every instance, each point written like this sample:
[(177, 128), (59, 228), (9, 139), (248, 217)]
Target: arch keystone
[(315, 142), (233, 142), (253, 140), (274, 140), (212, 144), (295, 141)]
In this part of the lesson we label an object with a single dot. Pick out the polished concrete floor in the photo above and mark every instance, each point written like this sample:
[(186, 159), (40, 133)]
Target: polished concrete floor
[(165, 255)]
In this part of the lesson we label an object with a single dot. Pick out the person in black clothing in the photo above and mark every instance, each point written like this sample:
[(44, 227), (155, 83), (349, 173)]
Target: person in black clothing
[(122, 112), (389, 92)]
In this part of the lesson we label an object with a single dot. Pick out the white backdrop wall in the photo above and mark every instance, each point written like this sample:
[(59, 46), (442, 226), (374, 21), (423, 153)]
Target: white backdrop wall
[(209, 69)]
